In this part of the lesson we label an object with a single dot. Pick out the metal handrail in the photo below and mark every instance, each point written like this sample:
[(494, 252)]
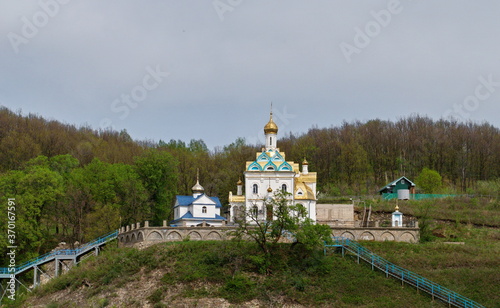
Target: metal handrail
[(65, 252), (406, 276)]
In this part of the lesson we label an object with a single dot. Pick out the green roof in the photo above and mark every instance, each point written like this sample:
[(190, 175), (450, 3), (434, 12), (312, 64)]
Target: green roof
[(393, 183)]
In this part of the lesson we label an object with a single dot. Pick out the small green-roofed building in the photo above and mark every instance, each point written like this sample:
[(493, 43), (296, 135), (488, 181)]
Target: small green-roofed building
[(403, 183)]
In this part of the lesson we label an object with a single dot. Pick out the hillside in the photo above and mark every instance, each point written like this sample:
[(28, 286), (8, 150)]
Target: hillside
[(225, 274), (351, 158), (23, 137)]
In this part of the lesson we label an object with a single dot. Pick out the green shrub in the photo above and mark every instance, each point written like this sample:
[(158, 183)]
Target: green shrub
[(156, 296), (103, 302), (238, 289)]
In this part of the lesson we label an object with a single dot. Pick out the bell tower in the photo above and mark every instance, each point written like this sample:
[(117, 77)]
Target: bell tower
[(271, 132)]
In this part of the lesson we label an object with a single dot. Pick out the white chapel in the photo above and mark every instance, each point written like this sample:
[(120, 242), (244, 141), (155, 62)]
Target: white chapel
[(197, 209), (269, 173)]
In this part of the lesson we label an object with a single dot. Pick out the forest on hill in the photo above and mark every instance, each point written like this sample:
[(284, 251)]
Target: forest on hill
[(75, 183)]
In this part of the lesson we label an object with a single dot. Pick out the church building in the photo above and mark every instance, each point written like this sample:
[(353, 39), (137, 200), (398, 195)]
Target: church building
[(268, 174), (197, 210)]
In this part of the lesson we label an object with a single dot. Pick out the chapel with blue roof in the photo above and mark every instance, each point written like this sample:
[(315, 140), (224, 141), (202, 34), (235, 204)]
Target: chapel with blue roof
[(197, 210)]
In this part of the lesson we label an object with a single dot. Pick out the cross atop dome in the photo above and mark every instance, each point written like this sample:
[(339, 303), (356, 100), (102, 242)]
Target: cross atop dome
[(197, 188), (271, 127), (271, 130)]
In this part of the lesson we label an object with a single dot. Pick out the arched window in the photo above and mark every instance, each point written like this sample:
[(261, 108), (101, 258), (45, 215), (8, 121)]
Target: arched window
[(255, 189), (204, 209), (255, 211), (283, 188)]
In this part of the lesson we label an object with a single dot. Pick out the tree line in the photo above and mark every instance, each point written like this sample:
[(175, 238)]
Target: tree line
[(361, 157), (356, 157)]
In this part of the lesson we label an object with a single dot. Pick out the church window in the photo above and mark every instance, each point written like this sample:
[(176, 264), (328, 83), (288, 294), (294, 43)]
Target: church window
[(269, 213), (255, 189), (270, 168), (270, 140), (204, 209), (283, 188)]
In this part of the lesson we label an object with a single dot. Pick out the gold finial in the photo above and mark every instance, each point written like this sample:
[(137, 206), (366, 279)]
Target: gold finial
[(197, 187), (269, 189), (397, 208), (305, 162), (271, 127), (239, 182)]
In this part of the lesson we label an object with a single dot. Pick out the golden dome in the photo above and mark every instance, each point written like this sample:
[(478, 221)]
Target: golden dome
[(305, 162), (197, 188), (271, 127), (269, 189), (239, 182)]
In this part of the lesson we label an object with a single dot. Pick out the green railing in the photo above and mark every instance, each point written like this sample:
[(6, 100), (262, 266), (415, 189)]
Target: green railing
[(406, 276), (390, 196)]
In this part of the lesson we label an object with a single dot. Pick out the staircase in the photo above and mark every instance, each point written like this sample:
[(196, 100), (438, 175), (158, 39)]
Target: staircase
[(391, 270), (74, 255)]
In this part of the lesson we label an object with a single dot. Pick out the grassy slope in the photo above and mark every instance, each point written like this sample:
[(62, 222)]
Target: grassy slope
[(476, 211), (472, 269), (224, 270)]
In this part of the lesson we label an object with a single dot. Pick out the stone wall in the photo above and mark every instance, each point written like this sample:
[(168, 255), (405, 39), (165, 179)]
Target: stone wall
[(335, 215), (140, 237), (409, 235), (145, 236)]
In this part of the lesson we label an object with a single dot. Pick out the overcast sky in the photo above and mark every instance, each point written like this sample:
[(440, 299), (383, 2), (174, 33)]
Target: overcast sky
[(210, 69)]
